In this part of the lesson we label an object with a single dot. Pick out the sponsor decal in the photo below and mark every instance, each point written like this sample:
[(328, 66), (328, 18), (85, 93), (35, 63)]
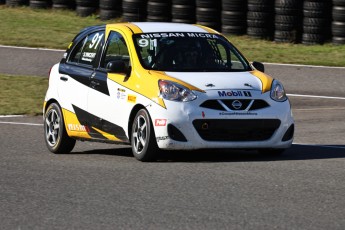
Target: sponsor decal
[(121, 94), (234, 93), (180, 35), (131, 98), (162, 138), (88, 56), (160, 122), (237, 113), (76, 127)]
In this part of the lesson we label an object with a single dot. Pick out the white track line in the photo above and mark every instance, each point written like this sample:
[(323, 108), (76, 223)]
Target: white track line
[(312, 66), (20, 123), (31, 48), (315, 96), (8, 116)]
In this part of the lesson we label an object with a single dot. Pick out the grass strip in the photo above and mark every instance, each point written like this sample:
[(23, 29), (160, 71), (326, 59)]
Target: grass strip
[(24, 26), (22, 94)]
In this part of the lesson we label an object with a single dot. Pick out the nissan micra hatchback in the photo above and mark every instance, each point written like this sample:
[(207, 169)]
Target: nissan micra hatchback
[(161, 86)]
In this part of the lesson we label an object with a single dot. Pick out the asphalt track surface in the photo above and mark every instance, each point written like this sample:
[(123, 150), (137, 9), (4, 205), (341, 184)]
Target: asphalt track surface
[(101, 186)]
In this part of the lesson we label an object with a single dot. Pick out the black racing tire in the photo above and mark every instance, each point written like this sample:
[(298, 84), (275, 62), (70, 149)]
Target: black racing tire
[(285, 19), (84, 11), (284, 26), (338, 13), (312, 39), (15, 3), (208, 4), (234, 29), (261, 2), (109, 14), (338, 3), (314, 5), (314, 13), (134, 6), (252, 15), (87, 3), (260, 8), (143, 140), (294, 4), (55, 134), (39, 4), (110, 4), (285, 11), (183, 2), (338, 40), (338, 29), (133, 17), (158, 18), (256, 23), (285, 36)]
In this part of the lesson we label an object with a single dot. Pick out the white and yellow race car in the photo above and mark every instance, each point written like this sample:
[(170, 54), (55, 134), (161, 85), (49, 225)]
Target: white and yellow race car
[(163, 86)]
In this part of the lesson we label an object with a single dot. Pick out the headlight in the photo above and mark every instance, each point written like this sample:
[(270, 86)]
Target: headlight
[(175, 92), (277, 91)]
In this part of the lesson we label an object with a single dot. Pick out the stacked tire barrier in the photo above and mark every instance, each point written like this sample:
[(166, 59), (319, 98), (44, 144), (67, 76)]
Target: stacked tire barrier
[(109, 9), (292, 21), (40, 4), (315, 22), (338, 24), (234, 16), (134, 10), (183, 11), (62, 4), (287, 16), (208, 13), (86, 7), (259, 18), (15, 3), (159, 11)]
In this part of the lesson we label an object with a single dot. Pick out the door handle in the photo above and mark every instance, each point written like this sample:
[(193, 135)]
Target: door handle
[(64, 78)]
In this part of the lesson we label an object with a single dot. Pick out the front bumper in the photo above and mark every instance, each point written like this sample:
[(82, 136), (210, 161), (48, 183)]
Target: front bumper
[(188, 126)]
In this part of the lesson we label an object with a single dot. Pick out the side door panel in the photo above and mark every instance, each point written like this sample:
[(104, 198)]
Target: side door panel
[(75, 79), (103, 98)]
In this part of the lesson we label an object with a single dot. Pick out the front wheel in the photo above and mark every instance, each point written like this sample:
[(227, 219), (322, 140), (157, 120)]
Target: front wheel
[(55, 134), (144, 145)]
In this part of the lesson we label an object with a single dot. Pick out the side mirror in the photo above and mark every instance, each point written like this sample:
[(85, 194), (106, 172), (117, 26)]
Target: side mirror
[(117, 66), (259, 66)]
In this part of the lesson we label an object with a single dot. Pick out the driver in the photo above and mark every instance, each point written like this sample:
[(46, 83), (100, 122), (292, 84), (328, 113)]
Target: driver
[(189, 55)]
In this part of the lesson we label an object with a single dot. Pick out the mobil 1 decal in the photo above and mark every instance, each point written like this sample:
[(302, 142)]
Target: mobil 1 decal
[(234, 93)]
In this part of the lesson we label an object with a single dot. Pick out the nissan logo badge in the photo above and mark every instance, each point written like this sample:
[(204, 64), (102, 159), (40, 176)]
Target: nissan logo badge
[(236, 104)]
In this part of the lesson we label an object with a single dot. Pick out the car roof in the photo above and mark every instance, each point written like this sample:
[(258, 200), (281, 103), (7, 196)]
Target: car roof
[(154, 27)]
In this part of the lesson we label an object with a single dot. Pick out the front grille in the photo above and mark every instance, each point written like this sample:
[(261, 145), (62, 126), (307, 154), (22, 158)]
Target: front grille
[(236, 129), (228, 104)]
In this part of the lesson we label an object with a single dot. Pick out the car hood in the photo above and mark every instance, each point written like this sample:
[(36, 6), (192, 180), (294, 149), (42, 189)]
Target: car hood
[(221, 80)]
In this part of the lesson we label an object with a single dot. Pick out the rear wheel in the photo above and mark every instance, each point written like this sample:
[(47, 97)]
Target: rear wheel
[(144, 145), (55, 134)]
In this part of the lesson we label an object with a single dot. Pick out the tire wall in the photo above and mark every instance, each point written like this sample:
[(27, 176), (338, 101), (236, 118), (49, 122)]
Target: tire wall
[(292, 21)]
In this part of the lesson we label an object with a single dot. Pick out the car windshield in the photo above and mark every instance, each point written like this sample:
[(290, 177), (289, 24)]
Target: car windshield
[(188, 52)]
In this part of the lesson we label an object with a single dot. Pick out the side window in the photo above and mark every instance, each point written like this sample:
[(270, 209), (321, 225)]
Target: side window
[(116, 50), (85, 52)]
